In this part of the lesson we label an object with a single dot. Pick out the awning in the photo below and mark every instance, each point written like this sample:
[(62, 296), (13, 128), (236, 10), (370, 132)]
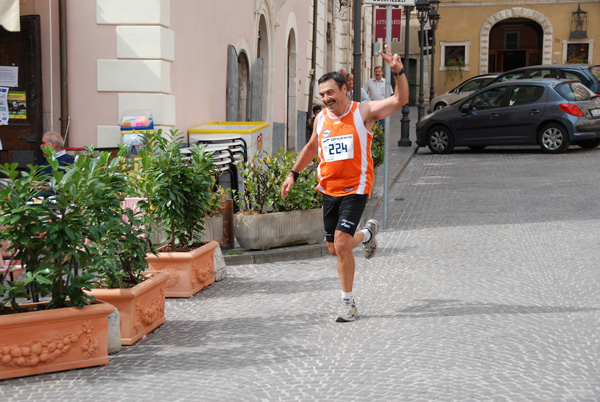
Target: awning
[(9, 15)]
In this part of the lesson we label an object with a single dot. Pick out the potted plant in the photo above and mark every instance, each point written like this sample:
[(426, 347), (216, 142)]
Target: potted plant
[(177, 187), (67, 330), (454, 66), (118, 244), (266, 220)]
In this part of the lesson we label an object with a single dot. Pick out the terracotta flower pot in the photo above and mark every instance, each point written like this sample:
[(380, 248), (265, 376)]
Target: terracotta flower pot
[(53, 340), (141, 308), (190, 272)]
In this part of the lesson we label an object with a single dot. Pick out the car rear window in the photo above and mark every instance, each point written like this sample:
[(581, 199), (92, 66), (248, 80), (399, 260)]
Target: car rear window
[(574, 91), (512, 76), (595, 70)]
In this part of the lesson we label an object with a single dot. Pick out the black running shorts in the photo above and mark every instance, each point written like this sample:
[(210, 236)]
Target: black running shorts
[(342, 213)]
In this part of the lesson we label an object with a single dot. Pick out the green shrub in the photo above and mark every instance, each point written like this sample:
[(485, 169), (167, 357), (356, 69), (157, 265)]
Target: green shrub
[(262, 178)]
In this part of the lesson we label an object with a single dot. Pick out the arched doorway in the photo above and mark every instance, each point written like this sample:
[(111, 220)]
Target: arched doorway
[(519, 13), (292, 121), (514, 43)]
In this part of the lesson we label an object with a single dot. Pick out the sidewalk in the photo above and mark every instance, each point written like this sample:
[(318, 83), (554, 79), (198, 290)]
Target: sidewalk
[(398, 158)]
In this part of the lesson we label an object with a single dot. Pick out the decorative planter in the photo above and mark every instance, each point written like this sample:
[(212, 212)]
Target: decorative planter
[(213, 230), (53, 340), (190, 272), (141, 308), (279, 229)]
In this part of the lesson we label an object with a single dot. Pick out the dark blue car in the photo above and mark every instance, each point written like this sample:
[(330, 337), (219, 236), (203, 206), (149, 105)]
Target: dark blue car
[(550, 113)]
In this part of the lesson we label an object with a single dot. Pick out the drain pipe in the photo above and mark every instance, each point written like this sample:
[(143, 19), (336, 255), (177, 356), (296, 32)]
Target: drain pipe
[(64, 85), (313, 61)]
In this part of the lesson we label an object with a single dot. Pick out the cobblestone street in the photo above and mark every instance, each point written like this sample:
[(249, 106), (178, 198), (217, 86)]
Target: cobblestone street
[(485, 288)]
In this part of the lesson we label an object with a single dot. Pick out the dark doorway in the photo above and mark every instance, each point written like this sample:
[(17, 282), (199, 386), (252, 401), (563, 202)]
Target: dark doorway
[(21, 137), (512, 59), (514, 43)]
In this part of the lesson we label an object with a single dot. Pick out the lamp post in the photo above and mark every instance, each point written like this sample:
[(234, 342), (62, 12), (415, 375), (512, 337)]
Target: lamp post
[(434, 18), (405, 121), (422, 14)]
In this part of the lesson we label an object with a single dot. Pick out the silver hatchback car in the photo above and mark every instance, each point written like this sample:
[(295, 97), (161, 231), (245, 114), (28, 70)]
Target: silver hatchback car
[(465, 89)]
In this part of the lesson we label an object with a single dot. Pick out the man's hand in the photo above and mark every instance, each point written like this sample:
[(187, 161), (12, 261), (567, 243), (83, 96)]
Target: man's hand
[(287, 185), (393, 60)]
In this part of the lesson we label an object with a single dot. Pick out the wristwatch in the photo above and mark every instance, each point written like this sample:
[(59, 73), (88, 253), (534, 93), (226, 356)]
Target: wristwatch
[(398, 74)]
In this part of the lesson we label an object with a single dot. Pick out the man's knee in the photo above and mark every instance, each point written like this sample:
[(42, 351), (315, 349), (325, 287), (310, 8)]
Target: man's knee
[(331, 249), (342, 243)]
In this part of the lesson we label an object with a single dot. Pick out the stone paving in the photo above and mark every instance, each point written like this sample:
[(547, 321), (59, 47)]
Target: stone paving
[(485, 288)]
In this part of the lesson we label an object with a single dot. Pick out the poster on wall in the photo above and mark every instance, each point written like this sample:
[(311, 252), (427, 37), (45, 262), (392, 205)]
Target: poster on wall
[(17, 105), (3, 106), (9, 76)]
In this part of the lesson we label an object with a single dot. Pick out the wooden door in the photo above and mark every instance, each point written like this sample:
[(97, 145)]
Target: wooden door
[(22, 136)]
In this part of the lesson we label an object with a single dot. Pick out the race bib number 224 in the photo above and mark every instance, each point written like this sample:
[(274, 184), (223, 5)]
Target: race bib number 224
[(338, 148)]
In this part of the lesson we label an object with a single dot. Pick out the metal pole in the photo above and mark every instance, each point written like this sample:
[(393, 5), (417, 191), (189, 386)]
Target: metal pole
[(405, 121), (421, 107), (64, 77), (357, 51), (386, 135), (431, 87)]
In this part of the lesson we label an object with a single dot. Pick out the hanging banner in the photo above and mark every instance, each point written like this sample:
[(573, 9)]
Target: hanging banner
[(10, 17), (394, 3), (380, 23)]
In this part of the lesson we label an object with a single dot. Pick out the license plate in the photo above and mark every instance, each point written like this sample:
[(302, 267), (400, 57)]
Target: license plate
[(595, 112)]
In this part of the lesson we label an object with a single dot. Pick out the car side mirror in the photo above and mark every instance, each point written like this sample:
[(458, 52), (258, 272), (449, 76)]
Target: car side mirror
[(465, 108)]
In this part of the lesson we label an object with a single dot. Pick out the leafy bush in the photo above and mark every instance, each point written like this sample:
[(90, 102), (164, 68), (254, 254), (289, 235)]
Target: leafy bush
[(262, 178), (117, 235), (177, 186), (378, 144)]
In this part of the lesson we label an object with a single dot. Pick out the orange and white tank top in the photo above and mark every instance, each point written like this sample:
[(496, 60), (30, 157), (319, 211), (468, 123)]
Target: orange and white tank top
[(345, 163)]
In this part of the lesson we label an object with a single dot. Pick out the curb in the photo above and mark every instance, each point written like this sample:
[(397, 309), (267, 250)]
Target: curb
[(292, 253)]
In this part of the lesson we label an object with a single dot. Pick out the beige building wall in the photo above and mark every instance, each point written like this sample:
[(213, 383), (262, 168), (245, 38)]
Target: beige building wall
[(470, 22)]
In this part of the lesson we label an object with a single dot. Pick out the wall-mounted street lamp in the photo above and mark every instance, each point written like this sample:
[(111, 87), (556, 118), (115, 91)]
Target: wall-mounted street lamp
[(578, 23)]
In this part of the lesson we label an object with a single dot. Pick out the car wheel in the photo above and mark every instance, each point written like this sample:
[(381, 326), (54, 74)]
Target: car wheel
[(589, 143), (553, 138), (439, 106), (440, 141)]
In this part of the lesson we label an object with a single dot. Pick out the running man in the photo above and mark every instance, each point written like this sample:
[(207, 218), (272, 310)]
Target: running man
[(342, 138)]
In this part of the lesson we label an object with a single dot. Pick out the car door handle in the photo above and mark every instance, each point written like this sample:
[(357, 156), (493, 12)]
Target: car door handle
[(494, 116), (534, 111)]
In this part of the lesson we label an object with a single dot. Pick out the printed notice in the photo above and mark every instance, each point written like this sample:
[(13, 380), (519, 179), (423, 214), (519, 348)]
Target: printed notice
[(17, 105), (9, 76), (3, 107)]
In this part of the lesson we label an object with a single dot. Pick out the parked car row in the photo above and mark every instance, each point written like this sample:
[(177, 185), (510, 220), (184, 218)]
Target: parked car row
[(589, 75), (549, 112), (549, 105)]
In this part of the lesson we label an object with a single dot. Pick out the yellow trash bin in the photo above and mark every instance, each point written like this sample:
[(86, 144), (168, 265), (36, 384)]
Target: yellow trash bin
[(256, 135)]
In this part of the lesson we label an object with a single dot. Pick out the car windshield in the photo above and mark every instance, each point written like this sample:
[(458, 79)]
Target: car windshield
[(470, 86), (574, 91)]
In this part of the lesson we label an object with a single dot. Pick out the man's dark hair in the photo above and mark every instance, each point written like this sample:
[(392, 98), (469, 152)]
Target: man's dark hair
[(334, 75), (316, 109)]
